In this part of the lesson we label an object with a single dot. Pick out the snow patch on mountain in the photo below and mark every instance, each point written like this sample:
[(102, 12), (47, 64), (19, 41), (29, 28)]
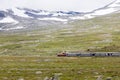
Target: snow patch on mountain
[(113, 7), (0, 29), (59, 14), (14, 28), (8, 19), (20, 12), (41, 12), (115, 4), (54, 19), (87, 16), (104, 11)]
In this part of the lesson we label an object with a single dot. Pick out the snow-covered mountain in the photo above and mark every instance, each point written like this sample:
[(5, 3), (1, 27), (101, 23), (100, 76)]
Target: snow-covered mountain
[(28, 18), (110, 8), (18, 18)]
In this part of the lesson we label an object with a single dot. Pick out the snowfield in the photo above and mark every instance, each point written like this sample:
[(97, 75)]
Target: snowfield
[(115, 6), (8, 19), (36, 17), (14, 28), (54, 19), (19, 12)]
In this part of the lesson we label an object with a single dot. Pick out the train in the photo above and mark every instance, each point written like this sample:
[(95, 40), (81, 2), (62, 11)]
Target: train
[(89, 54)]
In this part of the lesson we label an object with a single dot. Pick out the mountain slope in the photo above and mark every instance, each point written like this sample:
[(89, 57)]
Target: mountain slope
[(29, 18), (8, 19), (97, 34), (110, 8)]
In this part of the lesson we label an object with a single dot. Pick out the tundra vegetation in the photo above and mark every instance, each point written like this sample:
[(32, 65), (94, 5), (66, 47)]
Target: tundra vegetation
[(31, 55)]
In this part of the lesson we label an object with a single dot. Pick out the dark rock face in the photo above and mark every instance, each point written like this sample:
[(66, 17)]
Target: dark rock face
[(2, 14)]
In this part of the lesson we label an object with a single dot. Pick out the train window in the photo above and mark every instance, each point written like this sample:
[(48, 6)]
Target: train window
[(108, 54), (93, 54)]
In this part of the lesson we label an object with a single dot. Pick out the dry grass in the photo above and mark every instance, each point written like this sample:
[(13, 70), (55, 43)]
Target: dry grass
[(70, 68)]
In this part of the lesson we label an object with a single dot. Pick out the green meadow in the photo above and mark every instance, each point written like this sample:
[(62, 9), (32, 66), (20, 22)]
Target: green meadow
[(31, 55)]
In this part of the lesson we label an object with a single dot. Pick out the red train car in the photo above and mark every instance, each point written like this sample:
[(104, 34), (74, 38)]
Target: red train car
[(63, 54)]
